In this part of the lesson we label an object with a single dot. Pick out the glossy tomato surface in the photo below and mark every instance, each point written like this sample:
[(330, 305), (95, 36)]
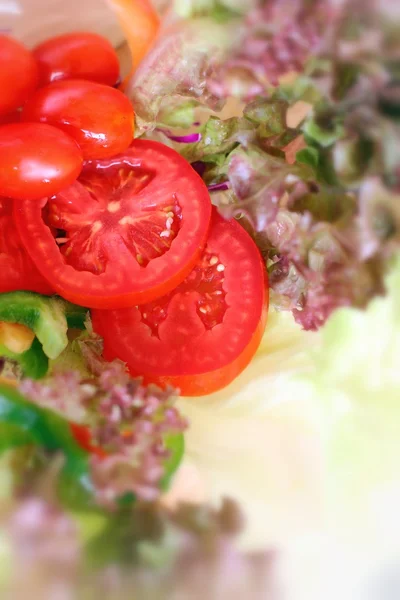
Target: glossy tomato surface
[(77, 55), (129, 230), (18, 74), (200, 336), (98, 117), (36, 160), (17, 271)]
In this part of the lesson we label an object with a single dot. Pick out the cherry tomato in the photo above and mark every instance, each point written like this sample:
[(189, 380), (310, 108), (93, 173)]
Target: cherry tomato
[(17, 270), (36, 160), (140, 24), (129, 230), (80, 55), (98, 117), (18, 74), (201, 335)]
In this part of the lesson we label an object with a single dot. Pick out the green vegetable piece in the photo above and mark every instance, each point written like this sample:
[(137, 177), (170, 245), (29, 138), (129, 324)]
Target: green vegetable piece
[(218, 138), (176, 445), (48, 317), (23, 422), (346, 75), (308, 156), (269, 113), (75, 315), (33, 362), (324, 134), (40, 425), (182, 114), (389, 100)]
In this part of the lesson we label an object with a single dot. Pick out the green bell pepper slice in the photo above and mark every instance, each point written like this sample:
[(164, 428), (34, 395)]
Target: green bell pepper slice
[(48, 316), (33, 362)]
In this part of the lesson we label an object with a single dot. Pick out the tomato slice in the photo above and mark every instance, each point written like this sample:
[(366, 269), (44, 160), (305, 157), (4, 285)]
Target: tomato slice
[(17, 271), (128, 231), (203, 334)]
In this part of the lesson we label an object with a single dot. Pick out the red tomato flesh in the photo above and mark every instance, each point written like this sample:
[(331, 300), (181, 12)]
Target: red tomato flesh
[(78, 55), (17, 271), (128, 231), (18, 74), (98, 117), (36, 160), (200, 336)]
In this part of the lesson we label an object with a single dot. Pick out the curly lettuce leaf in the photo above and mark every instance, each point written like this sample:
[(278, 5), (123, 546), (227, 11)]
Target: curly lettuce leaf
[(176, 70)]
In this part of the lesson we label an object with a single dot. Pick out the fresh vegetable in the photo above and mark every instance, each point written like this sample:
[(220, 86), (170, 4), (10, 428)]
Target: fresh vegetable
[(171, 81), (128, 231), (133, 434), (18, 74), (33, 362), (139, 462), (201, 335), (143, 546), (32, 425), (25, 172), (47, 317), (98, 117), (140, 24), (39, 425), (320, 411), (80, 55), (17, 270), (16, 337)]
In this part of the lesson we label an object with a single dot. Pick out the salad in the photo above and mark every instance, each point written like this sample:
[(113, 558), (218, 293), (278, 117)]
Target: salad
[(199, 292)]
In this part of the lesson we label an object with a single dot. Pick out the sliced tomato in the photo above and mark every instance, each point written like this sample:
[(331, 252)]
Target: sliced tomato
[(128, 231), (200, 336), (17, 271)]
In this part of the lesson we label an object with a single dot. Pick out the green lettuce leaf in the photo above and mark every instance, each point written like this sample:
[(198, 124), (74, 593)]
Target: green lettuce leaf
[(307, 438)]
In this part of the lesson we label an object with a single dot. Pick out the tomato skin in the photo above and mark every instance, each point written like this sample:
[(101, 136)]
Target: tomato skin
[(18, 74), (98, 266), (78, 55), (98, 117), (17, 270), (36, 160), (207, 383), (173, 341), (11, 117)]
